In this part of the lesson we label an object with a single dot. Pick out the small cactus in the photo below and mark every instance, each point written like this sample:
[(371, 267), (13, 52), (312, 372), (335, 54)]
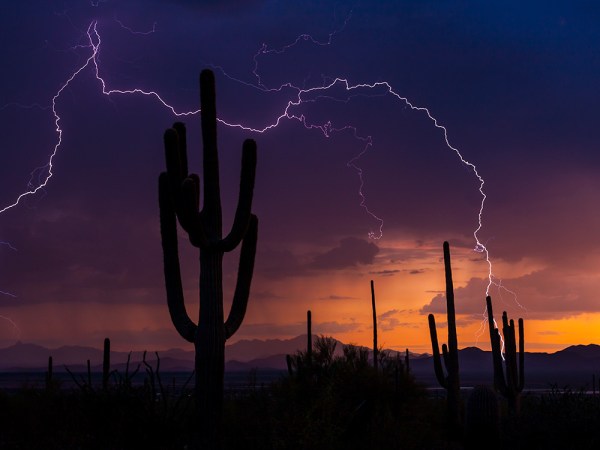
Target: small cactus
[(511, 385), (300, 364), (89, 374), (106, 364), (49, 380)]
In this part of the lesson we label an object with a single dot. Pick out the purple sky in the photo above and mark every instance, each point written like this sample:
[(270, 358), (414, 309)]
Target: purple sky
[(515, 86)]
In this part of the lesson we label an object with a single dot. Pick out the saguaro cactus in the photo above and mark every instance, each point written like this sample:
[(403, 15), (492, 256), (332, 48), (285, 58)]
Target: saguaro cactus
[(449, 381), (179, 197), (309, 344), (511, 386), (375, 349), (49, 380), (105, 364)]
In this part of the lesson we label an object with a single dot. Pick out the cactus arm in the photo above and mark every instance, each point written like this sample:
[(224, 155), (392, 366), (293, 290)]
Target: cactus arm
[(168, 230), (446, 357), (244, 206), (211, 210), (173, 156), (244, 279), (179, 127), (189, 216), (437, 363), (184, 190), (521, 356), (499, 381)]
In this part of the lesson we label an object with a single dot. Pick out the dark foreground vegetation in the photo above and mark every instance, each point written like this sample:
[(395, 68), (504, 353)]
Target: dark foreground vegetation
[(325, 402)]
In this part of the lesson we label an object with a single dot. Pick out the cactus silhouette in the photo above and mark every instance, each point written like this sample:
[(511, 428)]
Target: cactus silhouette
[(300, 364), (105, 364), (511, 386), (49, 380), (309, 344), (451, 381), (179, 198), (375, 349)]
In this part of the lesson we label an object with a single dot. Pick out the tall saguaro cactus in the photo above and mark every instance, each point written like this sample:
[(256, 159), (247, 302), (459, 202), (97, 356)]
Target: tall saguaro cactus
[(179, 197), (449, 381), (106, 364), (375, 349), (511, 386), (309, 344)]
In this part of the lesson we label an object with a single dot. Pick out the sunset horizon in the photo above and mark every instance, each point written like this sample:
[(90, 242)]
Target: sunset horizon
[(360, 173)]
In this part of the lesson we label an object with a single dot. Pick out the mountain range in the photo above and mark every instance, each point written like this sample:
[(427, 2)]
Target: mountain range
[(572, 366)]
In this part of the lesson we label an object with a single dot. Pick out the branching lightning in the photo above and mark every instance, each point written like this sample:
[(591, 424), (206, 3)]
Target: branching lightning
[(9, 245), (41, 176), (142, 33)]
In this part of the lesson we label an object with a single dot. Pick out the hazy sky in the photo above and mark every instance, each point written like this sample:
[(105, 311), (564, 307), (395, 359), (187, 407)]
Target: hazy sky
[(514, 85)]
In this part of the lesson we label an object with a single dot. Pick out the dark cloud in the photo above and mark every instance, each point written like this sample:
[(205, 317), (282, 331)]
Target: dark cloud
[(337, 297), (386, 272), (222, 6), (271, 329), (335, 327), (350, 253), (549, 293), (390, 320), (467, 300), (388, 314), (278, 263), (136, 338)]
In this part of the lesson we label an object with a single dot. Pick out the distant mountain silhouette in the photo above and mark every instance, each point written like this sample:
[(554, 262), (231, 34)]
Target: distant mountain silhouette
[(248, 350), (572, 366), (585, 351)]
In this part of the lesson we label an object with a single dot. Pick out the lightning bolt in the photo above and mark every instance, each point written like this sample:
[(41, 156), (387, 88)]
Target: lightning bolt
[(41, 176), (141, 33), (9, 245)]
